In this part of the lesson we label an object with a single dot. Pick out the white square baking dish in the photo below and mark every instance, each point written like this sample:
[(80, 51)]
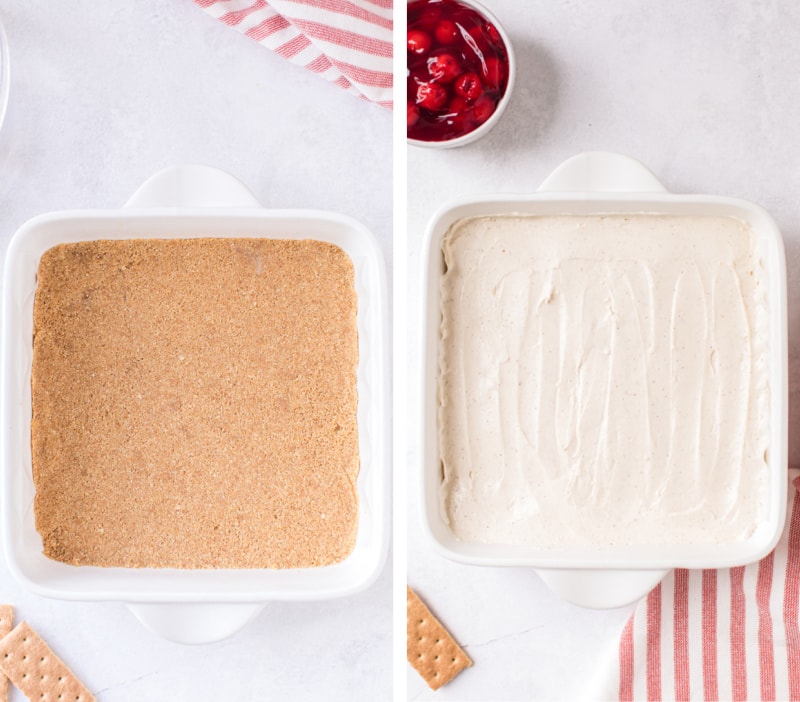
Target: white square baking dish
[(602, 183), (193, 605)]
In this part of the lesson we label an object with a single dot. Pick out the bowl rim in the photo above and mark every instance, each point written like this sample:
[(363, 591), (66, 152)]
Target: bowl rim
[(487, 126)]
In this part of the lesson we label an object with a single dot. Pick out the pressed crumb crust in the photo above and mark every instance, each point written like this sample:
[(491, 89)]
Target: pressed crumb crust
[(194, 403)]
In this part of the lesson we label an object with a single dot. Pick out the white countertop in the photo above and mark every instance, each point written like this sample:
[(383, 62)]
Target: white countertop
[(705, 95), (103, 95)]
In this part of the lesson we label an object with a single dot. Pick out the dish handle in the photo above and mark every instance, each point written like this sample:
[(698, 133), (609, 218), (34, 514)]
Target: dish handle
[(194, 623), (601, 589), (192, 186), (601, 172)]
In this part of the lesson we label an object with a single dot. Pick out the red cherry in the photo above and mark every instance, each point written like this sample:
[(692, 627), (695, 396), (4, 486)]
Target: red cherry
[(443, 67), (483, 109), (428, 16), (457, 105), (431, 96), (494, 72), (412, 115), (478, 41), (446, 32), (469, 86), (418, 42), (494, 36)]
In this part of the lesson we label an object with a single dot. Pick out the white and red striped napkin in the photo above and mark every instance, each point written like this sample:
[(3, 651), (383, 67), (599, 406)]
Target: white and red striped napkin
[(717, 634), (349, 42)]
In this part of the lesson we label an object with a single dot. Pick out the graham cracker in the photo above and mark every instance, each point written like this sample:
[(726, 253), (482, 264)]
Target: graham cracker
[(37, 671), (195, 403), (6, 622), (432, 652)]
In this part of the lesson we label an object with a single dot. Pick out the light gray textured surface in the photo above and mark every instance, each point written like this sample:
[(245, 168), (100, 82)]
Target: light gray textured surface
[(103, 95), (704, 94)]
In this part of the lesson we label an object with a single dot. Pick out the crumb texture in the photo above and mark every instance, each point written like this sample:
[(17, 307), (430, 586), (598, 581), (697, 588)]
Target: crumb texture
[(432, 652), (194, 403), (37, 671)]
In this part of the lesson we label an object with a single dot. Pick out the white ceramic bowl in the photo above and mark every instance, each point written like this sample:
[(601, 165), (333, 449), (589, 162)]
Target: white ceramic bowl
[(593, 183), (193, 606), (489, 124)]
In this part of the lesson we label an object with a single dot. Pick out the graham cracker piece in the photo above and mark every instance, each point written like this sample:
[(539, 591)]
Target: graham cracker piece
[(6, 619), (432, 652), (37, 671)]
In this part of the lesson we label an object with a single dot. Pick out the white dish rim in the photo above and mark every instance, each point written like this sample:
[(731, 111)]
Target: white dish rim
[(210, 586), (611, 558)]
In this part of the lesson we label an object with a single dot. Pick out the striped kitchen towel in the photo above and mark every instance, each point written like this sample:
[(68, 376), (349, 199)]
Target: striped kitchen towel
[(349, 42), (717, 634)]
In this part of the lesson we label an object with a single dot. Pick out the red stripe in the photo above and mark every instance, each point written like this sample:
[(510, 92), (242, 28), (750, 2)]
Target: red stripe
[(207, 3), (681, 634), (765, 652), (342, 82), (709, 608), (791, 593), (388, 104), (654, 644), (350, 40), (626, 663), (319, 64), (268, 27), (235, 17), (375, 79), (385, 4), (342, 7), (293, 46), (738, 641)]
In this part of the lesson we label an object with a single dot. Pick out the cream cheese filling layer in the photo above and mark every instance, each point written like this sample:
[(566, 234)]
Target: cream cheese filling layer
[(603, 380)]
